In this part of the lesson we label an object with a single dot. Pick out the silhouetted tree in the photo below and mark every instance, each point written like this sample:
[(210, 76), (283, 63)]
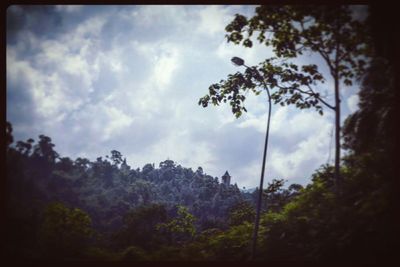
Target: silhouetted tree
[(331, 32), (116, 157), (9, 137)]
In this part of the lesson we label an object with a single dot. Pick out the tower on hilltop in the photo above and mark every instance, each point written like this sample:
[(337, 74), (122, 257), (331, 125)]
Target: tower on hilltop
[(226, 179)]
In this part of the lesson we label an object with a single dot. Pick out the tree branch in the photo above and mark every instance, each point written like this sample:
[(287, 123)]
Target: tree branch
[(320, 99), (322, 53), (310, 93)]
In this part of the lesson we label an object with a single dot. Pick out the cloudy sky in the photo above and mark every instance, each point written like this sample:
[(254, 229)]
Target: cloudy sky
[(98, 78)]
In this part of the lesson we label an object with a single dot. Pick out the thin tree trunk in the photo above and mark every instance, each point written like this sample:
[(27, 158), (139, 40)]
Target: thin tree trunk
[(337, 111), (337, 136)]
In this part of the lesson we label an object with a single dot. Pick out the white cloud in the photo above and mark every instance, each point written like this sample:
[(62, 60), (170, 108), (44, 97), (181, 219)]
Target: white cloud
[(298, 141), (61, 72), (151, 19), (178, 146), (257, 123), (250, 174), (213, 20), (312, 134), (165, 65), (16, 69), (129, 79), (164, 59), (352, 103), (252, 56), (45, 89), (69, 8), (289, 122), (116, 122)]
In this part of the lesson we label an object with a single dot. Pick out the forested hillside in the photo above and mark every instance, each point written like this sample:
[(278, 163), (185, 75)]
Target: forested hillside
[(58, 208), (120, 205)]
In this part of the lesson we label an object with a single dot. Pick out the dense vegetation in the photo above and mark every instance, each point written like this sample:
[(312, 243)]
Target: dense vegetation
[(60, 208), (61, 203)]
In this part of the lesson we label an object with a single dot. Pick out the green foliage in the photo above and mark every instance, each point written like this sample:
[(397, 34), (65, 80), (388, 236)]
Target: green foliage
[(64, 232), (134, 254), (141, 227), (168, 253), (275, 197), (242, 212), (274, 186), (377, 108), (300, 230), (359, 225), (180, 229), (232, 245), (108, 191), (331, 32)]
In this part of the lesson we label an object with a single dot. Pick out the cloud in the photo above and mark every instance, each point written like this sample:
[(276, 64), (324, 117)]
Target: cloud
[(252, 56), (298, 141), (20, 104), (164, 60), (129, 78), (117, 121), (69, 8), (302, 143), (352, 103), (213, 20)]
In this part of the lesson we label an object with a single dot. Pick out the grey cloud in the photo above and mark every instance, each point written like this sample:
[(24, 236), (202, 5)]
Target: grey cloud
[(103, 85), (132, 91), (20, 106), (39, 19), (238, 147)]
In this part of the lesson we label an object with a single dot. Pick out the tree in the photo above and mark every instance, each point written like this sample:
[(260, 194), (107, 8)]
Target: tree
[(140, 226), (65, 164), (103, 171), (65, 232), (25, 147), (376, 107), (331, 32), (231, 245), (9, 137), (241, 212), (147, 169), (373, 188), (116, 157), (44, 149), (180, 229), (276, 197), (167, 164), (82, 163)]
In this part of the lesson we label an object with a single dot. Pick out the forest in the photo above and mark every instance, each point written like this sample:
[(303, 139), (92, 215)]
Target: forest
[(60, 208)]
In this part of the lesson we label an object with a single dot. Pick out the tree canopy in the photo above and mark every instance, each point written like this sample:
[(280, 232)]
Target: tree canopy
[(332, 32)]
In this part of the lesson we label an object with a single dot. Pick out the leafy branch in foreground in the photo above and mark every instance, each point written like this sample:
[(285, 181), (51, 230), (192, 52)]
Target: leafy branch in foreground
[(331, 32)]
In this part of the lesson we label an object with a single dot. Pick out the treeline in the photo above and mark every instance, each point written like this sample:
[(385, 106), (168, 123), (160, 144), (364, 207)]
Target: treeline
[(103, 209)]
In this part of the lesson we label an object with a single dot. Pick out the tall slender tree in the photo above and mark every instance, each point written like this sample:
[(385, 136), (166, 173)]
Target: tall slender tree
[(333, 32)]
